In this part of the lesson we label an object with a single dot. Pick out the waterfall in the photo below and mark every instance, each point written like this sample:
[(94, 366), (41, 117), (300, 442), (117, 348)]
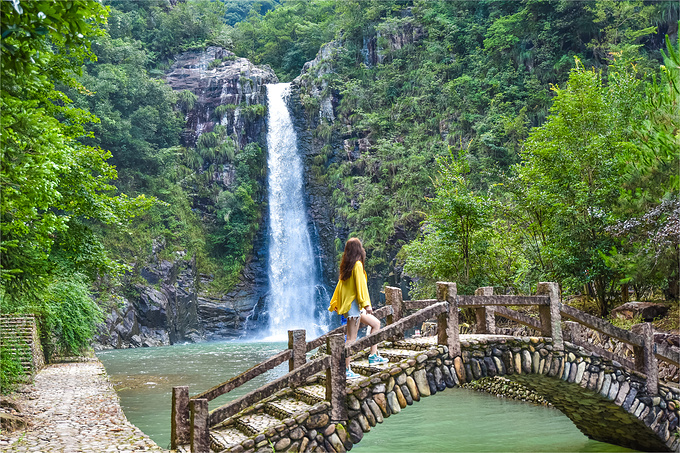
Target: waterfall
[(293, 273)]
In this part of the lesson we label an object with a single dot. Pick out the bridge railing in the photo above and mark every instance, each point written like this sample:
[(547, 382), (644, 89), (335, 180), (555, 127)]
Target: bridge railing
[(191, 419), (551, 312)]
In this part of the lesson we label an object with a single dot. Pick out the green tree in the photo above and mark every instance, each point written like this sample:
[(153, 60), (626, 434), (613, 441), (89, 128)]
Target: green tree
[(52, 185), (649, 204), (456, 233), (570, 169)]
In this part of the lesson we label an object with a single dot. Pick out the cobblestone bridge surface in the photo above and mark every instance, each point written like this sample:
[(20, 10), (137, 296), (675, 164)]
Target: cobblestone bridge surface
[(73, 408), (604, 400)]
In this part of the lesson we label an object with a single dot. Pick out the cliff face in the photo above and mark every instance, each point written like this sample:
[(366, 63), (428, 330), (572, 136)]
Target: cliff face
[(231, 82), (172, 306), (319, 193), (169, 304), (326, 138)]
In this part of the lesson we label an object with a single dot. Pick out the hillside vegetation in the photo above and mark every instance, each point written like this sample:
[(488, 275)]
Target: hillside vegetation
[(522, 141)]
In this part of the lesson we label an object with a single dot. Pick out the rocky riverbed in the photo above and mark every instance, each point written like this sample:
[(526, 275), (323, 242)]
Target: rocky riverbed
[(72, 407)]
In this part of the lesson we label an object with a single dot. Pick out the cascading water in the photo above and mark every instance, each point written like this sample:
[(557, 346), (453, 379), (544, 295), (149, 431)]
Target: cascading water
[(293, 274)]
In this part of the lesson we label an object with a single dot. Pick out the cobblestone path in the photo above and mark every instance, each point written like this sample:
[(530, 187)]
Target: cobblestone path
[(74, 408)]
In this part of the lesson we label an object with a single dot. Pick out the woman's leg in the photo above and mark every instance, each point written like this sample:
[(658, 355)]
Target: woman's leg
[(352, 330), (374, 322)]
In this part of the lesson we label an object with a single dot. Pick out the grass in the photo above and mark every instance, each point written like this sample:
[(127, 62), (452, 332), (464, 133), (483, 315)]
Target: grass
[(670, 322)]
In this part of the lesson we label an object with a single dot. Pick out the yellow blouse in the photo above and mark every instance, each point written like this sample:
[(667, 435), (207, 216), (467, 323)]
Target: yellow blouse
[(348, 290)]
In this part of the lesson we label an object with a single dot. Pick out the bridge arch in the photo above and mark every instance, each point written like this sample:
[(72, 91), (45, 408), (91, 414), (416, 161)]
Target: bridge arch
[(604, 400)]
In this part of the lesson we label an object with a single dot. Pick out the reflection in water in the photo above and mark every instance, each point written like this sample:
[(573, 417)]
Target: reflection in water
[(456, 420), (144, 377)]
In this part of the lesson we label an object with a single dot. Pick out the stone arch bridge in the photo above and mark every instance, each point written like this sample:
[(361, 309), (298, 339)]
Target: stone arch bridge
[(314, 408)]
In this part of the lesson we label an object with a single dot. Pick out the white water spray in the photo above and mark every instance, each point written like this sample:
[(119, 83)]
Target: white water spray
[(292, 269)]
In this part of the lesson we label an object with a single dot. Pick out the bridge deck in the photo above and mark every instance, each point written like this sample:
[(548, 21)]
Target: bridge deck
[(281, 410)]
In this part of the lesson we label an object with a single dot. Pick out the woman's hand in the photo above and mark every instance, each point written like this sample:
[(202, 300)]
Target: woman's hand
[(369, 310)]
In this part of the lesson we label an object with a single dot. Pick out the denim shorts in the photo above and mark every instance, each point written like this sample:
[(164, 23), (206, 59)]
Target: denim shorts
[(354, 311)]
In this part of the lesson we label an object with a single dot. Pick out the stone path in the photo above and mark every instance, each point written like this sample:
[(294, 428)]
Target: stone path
[(73, 408)]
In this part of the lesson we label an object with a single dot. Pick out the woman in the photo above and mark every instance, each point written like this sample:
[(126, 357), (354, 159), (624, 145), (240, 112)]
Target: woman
[(351, 299)]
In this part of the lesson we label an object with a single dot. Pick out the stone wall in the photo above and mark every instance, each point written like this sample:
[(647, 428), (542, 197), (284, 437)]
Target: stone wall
[(605, 401), (19, 334)]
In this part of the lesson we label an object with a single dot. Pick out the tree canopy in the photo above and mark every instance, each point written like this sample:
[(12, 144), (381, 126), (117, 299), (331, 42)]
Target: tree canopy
[(53, 186)]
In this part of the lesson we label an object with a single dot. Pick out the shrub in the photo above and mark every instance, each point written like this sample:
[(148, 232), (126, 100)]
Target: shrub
[(70, 315)]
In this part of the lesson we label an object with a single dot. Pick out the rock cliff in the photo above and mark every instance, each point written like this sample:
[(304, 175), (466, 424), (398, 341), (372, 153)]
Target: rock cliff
[(166, 301), (325, 139)]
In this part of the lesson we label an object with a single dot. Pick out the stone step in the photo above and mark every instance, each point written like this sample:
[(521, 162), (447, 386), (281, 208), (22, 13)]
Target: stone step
[(253, 424), (416, 344), (311, 394), (286, 407), (362, 368), (226, 437)]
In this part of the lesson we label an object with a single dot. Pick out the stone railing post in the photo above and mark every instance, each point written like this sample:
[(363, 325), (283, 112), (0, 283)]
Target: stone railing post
[(200, 430), (551, 318), (447, 323), (395, 298), (179, 433), (297, 342), (485, 317), (645, 361), (336, 379)]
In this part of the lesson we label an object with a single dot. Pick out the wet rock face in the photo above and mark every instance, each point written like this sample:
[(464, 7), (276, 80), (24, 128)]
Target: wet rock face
[(319, 194), (173, 306), (173, 309), (164, 312), (234, 81)]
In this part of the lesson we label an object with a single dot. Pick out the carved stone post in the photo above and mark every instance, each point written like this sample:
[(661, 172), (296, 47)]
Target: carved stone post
[(645, 361), (200, 432), (297, 342), (179, 433), (336, 379), (485, 317), (551, 318), (447, 323)]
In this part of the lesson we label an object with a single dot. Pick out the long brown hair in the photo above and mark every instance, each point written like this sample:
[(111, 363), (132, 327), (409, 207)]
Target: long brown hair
[(354, 251)]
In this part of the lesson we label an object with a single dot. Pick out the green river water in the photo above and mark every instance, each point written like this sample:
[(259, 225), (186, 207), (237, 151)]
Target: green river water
[(455, 420)]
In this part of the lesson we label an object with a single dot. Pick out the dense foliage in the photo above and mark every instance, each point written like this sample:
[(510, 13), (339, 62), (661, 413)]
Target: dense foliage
[(56, 189), (536, 140), (141, 123), (11, 371)]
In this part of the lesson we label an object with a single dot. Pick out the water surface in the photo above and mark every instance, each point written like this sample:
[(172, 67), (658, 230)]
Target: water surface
[(456, 420)]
